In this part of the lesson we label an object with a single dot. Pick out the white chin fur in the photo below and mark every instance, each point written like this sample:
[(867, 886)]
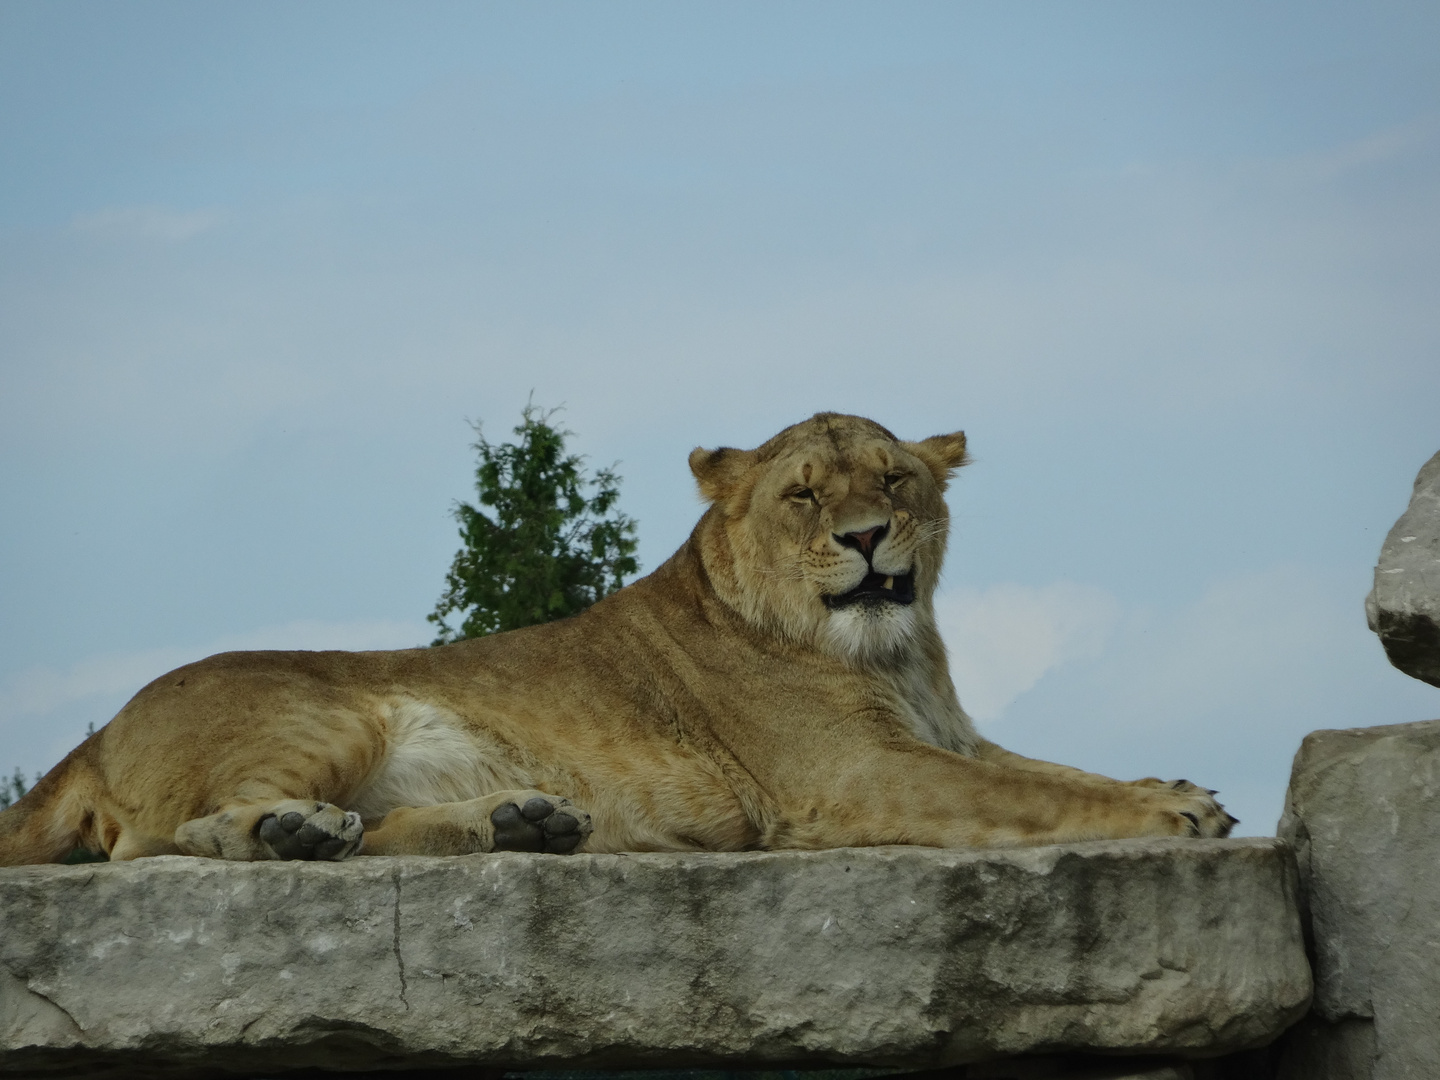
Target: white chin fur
[(861, 632)]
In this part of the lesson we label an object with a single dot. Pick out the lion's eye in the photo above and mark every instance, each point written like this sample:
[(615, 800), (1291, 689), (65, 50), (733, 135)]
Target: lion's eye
[(894, 480), (803, 495)]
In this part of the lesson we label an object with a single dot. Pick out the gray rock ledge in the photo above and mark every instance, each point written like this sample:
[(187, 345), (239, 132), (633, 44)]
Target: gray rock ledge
[(887, 956), (1404, 606), (1363, 811)]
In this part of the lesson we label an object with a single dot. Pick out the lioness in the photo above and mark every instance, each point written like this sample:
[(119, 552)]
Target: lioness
[(778, 683)]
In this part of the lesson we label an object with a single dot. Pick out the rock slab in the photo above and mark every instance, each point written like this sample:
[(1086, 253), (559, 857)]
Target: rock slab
[(1404, 606), (887, 956), (1363, 812)]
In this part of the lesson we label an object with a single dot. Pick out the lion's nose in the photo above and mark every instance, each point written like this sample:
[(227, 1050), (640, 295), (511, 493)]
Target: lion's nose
[(864, 542)]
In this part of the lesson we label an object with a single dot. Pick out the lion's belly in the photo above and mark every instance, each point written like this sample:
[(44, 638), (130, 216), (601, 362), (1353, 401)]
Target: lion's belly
[(432, 757), (643, 793)]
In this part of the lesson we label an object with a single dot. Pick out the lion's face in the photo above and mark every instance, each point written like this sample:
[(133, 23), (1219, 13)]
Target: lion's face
[(835, 530)]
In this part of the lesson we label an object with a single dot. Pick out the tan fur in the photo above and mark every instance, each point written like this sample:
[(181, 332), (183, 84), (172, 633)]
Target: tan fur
[(718, 704)]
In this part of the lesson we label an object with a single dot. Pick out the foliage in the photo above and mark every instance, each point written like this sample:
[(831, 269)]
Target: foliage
[(12, 789), (552, 543)]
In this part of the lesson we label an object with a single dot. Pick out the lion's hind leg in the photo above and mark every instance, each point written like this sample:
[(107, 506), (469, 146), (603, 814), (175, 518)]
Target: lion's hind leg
[(287, 829), (503, 821)]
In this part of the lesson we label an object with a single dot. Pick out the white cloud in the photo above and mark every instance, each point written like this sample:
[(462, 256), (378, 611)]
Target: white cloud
[(1409, 139), (1221, 689), (1246, 642), (145, 223), (1003, 640), (38, 691)]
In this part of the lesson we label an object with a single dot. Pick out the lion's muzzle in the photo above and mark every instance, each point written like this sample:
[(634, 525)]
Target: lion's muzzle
[(876, 589)]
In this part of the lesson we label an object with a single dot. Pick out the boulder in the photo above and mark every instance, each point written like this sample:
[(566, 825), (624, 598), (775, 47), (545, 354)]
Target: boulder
[(1363, 813), (1404, 606), (886, 956)]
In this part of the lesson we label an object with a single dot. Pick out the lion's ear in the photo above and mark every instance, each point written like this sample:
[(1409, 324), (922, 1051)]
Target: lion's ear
[(718, 471), (942, 455)]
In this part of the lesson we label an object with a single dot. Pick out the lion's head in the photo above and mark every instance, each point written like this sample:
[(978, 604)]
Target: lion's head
[(832, 532)]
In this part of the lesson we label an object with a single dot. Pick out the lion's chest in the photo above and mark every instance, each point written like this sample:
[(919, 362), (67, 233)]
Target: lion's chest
[(932, 714)]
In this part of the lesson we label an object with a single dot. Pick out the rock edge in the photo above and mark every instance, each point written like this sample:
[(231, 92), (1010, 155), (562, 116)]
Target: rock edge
[(1362, 810), (1403, 608), (888, 956)]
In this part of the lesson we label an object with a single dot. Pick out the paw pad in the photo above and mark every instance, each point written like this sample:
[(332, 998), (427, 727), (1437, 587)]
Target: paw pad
[(326, 833), (542, 824)]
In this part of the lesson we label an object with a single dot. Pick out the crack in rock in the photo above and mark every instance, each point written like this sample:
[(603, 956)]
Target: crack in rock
[(395, 946), (24, 1009)]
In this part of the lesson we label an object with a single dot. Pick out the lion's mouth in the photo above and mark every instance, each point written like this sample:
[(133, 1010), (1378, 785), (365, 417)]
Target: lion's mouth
[(873, 588)]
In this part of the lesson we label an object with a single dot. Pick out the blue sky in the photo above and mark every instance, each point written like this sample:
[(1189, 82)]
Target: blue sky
[(1174, 268)]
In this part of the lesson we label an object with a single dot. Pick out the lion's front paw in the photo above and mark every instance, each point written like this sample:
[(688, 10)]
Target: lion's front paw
[(311, 830), (1195, 809), (541, 823)]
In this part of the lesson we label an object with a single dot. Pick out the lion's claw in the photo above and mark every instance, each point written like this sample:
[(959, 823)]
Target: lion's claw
[(1194, 809), (1203, 815)]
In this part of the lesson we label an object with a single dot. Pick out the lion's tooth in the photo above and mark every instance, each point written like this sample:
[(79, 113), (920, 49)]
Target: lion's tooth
[(889, 583)]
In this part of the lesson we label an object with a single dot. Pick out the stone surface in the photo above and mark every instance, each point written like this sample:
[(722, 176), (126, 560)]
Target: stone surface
[(1404, 606), (900, 956), (1363, 812)]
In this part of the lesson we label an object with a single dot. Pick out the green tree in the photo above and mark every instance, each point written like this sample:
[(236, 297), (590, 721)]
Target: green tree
[(551, 544), (12, 789)]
